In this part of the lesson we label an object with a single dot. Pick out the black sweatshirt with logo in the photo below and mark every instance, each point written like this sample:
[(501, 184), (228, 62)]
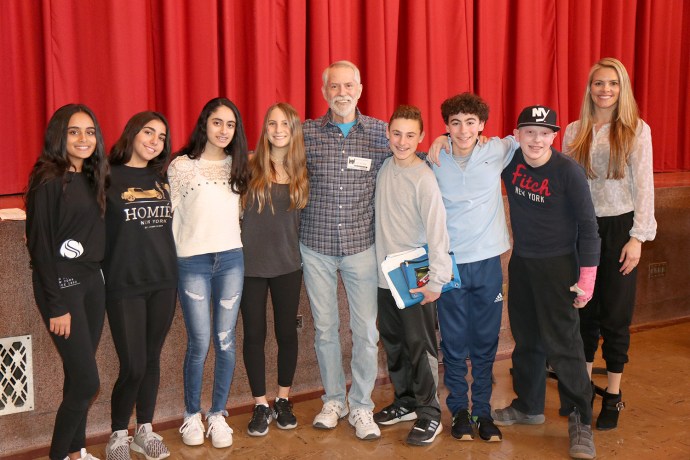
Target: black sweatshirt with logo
[(551, 210), (140, 250), (65, 235)]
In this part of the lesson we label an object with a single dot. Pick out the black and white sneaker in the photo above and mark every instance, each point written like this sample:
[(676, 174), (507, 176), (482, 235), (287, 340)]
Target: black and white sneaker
[(424, 432), (393, 414), (282, 412), (487, 430), (258, 425), (118, 446), (462, 428), (148, 443)]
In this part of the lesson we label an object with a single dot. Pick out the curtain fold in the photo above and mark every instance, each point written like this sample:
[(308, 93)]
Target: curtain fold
[(123, 56)]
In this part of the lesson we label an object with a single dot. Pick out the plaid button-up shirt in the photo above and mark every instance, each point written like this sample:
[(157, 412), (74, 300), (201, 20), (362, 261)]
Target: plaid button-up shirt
[(339, 218)]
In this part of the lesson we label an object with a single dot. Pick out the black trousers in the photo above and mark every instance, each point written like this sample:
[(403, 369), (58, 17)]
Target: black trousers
[(610, 311), (139, 326), (85, 298), (285, 294), (409, 338), (546, 326)]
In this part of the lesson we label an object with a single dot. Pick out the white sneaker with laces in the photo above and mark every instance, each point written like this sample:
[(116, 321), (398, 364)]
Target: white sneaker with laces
[(193, 430), (149, 444), (331, 412), (84, 455), (118, 446), (219, 431), (363, 422)]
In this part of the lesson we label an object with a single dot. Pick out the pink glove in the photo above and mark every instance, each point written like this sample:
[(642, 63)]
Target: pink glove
[(584, 286)]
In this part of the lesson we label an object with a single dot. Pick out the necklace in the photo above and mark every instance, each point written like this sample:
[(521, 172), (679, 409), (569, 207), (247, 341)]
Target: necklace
[(281, 162), (282, 178), (281, 175)]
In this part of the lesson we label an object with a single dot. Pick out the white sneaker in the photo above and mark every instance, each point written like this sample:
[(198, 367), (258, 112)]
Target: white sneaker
[(193, 430), (363, 421), (219, 431), (149, 444), (84, 455), (118, 446), (331, 412)]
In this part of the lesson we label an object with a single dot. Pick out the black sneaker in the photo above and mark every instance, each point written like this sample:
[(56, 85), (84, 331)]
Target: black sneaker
[(282, 412), (258, 425), (462, 426), (487, 430), (424, 432), (394, 414)]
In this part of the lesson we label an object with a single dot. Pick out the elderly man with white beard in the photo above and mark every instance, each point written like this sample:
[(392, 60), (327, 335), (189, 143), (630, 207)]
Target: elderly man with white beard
[(345, 150)]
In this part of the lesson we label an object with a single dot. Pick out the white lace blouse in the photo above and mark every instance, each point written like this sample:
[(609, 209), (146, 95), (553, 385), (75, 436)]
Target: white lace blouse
[(635, 192), (206, 212)]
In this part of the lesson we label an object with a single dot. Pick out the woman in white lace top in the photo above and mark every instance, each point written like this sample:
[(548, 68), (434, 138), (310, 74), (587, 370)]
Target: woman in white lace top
[(614, 145)]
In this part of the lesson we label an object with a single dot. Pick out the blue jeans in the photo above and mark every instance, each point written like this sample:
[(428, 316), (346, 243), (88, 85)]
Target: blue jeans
[(359, 276), (210, 280)]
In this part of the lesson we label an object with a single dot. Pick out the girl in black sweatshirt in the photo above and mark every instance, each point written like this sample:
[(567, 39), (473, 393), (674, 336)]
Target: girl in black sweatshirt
[(65, 205), (141, 277)]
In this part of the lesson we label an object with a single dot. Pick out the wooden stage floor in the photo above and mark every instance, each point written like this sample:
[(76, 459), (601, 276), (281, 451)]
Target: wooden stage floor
[(654, 425)]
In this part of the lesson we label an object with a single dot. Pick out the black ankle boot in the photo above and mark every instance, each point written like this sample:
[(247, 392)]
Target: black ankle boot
[(610, 409), (594, 393)]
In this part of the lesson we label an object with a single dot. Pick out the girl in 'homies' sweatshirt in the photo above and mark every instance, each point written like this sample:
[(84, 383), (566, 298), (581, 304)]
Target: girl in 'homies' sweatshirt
[(141, 277)]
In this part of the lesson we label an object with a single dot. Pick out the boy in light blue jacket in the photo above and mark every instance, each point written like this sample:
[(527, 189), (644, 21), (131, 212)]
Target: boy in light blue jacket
[(469, 176)]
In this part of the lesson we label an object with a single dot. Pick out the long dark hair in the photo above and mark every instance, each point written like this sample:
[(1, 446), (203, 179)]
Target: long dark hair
[(121, 152), (54, 161), (237, 149)]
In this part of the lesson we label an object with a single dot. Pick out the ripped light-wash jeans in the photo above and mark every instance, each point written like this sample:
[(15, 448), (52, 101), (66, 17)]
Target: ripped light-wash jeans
[(210, 283)]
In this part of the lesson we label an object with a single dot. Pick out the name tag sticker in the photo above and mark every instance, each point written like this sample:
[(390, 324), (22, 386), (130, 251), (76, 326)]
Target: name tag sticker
[(361, 164)]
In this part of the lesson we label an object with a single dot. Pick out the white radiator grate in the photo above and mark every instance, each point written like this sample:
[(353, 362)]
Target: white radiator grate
[(16, 375)]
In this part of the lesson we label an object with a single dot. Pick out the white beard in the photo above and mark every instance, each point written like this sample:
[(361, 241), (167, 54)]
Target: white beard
[(341, 111)]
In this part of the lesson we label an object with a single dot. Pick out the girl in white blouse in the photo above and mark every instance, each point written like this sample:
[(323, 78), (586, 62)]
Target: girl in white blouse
[(614, 145), (207, 180)]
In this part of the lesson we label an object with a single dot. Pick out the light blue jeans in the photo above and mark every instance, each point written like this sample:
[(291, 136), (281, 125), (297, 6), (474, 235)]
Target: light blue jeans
[(210, 283), (359, 276)]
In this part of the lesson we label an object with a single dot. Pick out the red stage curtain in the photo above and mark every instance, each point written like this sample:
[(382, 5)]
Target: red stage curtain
[(124, 56)]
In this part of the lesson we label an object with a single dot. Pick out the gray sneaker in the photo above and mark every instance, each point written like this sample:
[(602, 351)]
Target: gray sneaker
[(510, 416), (581, 437), (118, 446), (149, 444)]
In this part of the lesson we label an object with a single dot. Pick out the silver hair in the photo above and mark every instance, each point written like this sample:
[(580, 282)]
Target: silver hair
[(349, 64)]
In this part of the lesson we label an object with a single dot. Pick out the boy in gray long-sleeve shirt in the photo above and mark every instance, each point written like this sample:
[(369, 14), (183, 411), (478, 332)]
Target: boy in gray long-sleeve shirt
[(410, 214)]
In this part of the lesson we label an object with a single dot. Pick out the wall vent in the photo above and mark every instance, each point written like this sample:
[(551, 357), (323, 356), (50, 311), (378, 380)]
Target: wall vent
[(16, 375)]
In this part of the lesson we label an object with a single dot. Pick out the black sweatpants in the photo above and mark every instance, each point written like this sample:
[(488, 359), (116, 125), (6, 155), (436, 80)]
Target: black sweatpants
[(139, 326), (610, 311), (285, 294), (84, 295), (546, 326), (409, 338)]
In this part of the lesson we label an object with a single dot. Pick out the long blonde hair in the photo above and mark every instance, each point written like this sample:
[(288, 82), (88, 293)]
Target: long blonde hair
[(624, 121), (263, 172)]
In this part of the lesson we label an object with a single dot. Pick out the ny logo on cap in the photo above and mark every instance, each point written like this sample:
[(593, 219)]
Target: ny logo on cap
[(538, 112)]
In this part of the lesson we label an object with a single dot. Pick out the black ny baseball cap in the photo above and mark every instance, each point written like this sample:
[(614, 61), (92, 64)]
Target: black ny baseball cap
[(538, 115)]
